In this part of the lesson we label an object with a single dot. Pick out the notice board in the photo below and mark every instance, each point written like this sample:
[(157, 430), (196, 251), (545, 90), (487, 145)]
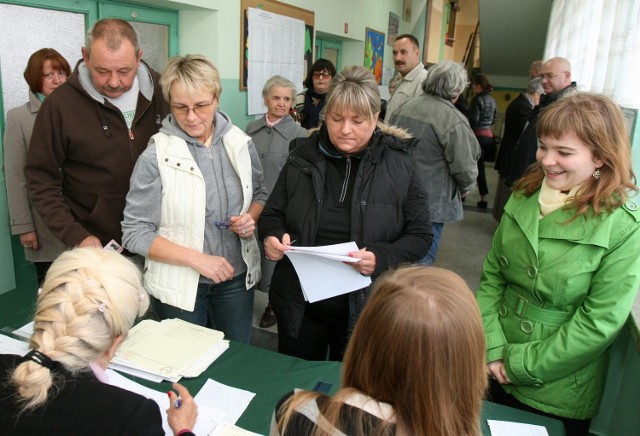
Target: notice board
[(279, 8)]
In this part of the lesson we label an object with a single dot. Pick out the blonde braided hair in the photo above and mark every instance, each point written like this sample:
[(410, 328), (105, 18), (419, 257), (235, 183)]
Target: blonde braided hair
[(90, 296)]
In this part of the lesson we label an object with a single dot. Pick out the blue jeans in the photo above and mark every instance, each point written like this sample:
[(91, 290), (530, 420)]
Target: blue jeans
[(430, 258), (226, 306)]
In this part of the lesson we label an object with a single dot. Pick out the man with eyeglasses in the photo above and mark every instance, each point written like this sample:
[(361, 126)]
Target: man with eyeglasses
[(89, 134), (406, 58), (556, 83)]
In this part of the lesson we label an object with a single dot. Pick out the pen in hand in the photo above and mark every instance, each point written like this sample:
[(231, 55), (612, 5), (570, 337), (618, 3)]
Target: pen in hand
[(178, 401)]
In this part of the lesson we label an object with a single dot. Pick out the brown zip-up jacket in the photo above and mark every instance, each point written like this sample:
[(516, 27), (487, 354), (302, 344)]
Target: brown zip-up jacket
[(82, 155)]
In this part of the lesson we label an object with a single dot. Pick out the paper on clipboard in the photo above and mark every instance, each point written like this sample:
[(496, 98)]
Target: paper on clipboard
[(323, 273)]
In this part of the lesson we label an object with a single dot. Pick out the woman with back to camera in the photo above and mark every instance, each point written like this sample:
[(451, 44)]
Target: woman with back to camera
[(563, 271), (45, 71), (482, 115), (196, 193), (271, 136), (309, 103), (414, 365), (351, 180), (89, 301)]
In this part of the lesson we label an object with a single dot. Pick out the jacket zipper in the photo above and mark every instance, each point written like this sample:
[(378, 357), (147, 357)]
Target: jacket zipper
[(345, 183)]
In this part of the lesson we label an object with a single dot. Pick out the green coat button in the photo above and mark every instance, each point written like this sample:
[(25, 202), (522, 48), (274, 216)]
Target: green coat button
[(504, 261), (526, 326)]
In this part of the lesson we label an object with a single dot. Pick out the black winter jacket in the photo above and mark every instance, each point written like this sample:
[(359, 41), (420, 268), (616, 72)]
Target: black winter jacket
[(389, 214)]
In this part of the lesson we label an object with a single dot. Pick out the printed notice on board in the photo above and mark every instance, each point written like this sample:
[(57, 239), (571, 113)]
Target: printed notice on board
[(276, 46)]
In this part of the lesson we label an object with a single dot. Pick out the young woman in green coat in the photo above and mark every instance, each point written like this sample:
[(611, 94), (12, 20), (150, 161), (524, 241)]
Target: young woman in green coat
[(563, 270)]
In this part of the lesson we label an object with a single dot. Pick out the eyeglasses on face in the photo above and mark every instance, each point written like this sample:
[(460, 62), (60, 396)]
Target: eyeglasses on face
[(198, 109), (59, 74), (321, 74)]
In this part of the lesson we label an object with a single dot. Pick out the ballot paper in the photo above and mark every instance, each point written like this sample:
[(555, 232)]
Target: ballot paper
[(208, 419), (232, 401), (169, 349), (323, 272), (225, 429), (13, 346), (25, 331), (506, 428)]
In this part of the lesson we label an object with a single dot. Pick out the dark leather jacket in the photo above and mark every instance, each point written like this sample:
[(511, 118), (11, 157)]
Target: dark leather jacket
[(482, 112)]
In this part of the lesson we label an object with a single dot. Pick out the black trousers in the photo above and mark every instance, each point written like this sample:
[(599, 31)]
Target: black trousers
[(323, 333), (485, 142), (573, 427)]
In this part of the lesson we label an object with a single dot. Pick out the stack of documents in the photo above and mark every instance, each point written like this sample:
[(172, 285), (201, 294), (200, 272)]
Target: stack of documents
[(324, 271), (168, 350)]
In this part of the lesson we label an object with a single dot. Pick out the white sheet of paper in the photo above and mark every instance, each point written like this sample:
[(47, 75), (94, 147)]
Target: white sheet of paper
[(321, 277), (208, 418), (226, 429), (25, 331), (506, 428), (13, 346), (232, 401)]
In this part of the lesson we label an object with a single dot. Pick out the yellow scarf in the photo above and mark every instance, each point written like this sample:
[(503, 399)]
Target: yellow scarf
[(552, 199)]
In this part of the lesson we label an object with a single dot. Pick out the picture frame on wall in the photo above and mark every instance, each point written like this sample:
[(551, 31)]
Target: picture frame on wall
[(406, 10), (394, 26), (374, 52)]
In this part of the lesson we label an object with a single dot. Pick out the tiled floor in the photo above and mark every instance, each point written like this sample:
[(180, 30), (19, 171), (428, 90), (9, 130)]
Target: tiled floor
[(462, 250)]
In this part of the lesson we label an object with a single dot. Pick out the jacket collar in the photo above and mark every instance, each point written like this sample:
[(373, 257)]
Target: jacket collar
[(284, 127), (557, 225), (34, 102), (81, 79)]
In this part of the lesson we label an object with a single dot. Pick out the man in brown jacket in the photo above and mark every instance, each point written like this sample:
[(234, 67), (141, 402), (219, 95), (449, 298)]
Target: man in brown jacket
[(89, 134)]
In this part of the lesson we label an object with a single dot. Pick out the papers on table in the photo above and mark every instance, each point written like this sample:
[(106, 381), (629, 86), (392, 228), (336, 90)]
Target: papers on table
[(208, 419), (323, 273), (25, 331), (168, 350), (505, 428), (224, 429), (232, 401), (13, 346)]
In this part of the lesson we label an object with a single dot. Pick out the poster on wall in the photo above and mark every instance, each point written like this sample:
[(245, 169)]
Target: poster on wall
[(276, 46), (406, 10), (374, 52), (392, 31)]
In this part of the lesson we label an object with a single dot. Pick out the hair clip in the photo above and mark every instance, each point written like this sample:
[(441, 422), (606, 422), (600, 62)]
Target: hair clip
[(39, 291), (41, 359), (140, 297), (101, 307)]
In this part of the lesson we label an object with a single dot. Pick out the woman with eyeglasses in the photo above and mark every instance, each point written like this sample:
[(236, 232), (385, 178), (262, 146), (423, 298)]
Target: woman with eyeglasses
[(45, 71), (309, 104), (195, 196)]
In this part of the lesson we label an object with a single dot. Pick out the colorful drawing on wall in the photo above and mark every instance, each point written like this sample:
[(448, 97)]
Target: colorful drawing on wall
[(392, 31), (374, 52)]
